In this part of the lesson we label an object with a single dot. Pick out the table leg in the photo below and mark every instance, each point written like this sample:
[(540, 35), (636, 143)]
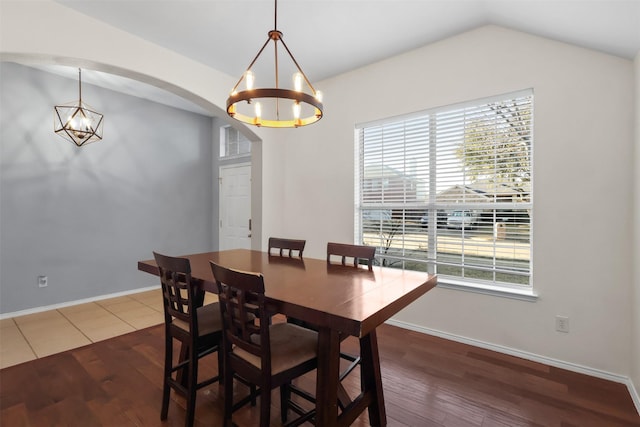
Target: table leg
[(327, 381), (372, 379), (182, 376)]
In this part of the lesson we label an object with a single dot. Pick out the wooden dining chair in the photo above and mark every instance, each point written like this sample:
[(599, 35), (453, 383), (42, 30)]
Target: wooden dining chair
[(264, 354), (358, 253), (196, 326), (283, 245)]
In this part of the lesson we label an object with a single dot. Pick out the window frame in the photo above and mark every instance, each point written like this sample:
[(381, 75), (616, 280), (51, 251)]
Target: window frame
[(225, 143), (491, 287)]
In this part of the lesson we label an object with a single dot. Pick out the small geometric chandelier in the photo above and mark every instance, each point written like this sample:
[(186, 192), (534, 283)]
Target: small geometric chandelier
[(275, 107), (78, 122)]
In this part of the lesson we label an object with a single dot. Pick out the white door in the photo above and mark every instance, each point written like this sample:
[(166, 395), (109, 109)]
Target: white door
[(235, 206)]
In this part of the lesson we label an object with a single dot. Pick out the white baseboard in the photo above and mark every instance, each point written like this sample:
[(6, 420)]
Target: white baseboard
[(71, 303), (634, 394), (528, 356)]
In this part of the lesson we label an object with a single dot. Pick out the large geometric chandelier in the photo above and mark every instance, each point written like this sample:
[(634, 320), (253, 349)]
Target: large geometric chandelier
[(277, 107), (78, 122)]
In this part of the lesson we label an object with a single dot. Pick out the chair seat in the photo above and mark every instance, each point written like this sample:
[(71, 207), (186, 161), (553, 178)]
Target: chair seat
[(291, 345), (209, 320)]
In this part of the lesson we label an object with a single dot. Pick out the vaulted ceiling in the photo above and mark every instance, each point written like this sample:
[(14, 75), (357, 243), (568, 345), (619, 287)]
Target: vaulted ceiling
[(330, 37)]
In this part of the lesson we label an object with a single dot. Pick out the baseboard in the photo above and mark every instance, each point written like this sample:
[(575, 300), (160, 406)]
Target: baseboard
[(634, 394), (71, 303), (528, 356)]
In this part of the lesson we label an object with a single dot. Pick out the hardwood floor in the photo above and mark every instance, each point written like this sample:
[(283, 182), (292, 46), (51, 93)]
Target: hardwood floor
[(427, 381)]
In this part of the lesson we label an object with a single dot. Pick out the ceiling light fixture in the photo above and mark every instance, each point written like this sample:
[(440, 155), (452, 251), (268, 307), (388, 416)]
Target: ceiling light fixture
[(78, 122), (275, 107)]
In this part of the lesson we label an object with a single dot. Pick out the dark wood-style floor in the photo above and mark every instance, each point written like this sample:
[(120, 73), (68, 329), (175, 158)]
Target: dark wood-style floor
[(427, 381)]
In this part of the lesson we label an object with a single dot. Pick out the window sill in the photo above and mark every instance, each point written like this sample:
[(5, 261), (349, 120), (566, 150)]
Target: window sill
[(499, 291), (235, 158)]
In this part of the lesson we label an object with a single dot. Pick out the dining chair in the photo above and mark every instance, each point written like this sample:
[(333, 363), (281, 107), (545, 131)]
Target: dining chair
[(267, 355), (358, 253), (286, 248), (196, 326), (291, 245)]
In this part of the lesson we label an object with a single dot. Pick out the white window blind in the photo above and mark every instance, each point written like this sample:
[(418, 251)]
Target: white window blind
[(449, 191)]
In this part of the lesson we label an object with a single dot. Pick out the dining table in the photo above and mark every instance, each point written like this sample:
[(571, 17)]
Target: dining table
[(340, 300)]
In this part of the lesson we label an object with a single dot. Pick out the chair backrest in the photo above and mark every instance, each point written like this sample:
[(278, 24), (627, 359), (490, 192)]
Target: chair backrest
[(244, 317), (287, 244), (181, 298), (357, 252)]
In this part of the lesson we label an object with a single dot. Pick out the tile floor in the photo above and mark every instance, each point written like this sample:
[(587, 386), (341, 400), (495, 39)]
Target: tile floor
[(37, 335)]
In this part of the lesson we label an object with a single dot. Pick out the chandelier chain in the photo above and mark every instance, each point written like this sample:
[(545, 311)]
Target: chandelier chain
[(80, 86)]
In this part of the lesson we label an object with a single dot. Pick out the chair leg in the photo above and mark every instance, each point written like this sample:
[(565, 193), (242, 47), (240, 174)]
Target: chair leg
[(265, 405), (220, 364), (285, 396), (182, 374), (228, 395), (166, 389), (192, 387), (252, 390)]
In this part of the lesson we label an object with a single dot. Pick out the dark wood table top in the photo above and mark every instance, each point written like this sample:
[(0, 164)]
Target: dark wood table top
[(350, 300)]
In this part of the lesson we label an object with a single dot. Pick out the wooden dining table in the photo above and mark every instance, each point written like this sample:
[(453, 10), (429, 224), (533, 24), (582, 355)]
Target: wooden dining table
[(340, 300)]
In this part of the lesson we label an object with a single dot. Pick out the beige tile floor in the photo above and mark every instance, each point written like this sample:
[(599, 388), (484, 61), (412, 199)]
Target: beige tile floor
[(37, 335)]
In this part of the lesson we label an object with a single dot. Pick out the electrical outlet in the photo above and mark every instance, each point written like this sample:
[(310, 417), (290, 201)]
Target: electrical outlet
[(43, 281), (562, 324)]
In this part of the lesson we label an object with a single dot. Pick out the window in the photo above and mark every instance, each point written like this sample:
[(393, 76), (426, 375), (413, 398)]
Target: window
[(448, 191), (233, 143)]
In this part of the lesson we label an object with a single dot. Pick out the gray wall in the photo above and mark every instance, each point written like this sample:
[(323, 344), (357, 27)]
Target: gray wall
[(85, 216)]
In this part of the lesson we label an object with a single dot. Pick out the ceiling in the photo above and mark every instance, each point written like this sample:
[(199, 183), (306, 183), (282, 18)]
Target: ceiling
[(331, 37)]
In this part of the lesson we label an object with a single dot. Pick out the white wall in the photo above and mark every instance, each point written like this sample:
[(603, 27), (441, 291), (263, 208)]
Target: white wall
[(635, 336), (583, 168)]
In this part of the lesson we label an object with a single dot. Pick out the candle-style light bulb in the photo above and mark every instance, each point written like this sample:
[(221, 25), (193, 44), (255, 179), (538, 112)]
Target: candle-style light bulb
[(319, 96), (250, 79), (69, 124), (296, 110), (297, 81), (73, 122), (258, 109)]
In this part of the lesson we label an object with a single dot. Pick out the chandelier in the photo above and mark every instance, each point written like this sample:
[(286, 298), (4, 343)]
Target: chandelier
[(276, 107), (78, 122)]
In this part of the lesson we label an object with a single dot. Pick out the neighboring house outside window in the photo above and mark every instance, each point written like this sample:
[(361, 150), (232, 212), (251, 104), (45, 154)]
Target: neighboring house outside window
[(449, 191)]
